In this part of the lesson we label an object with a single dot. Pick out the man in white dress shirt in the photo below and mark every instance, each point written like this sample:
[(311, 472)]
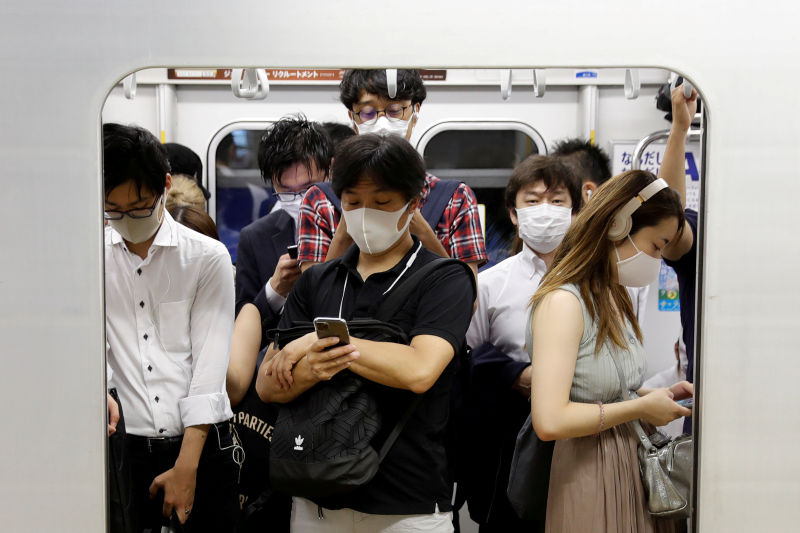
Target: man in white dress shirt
[(169, 320)]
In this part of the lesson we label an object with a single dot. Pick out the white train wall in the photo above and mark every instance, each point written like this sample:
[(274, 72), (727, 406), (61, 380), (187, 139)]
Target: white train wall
[(58, 61)]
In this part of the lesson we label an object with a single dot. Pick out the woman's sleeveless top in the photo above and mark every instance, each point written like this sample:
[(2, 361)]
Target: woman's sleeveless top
[(596, 377)]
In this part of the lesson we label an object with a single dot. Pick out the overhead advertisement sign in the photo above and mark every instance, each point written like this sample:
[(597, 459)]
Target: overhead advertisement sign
[(286, 74)]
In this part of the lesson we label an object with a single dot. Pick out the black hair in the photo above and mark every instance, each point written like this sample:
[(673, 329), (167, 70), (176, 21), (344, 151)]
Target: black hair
[(551, 171), (588, 161), (338, 132), (133, 154), (354, 82), (389, 160), (183, 160), (293, 140)]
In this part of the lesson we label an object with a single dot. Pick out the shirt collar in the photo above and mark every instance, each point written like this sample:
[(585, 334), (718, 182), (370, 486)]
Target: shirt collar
[(532, 264)]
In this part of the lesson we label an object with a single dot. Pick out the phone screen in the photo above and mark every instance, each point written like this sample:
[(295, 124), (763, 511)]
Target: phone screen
[(292, 251)]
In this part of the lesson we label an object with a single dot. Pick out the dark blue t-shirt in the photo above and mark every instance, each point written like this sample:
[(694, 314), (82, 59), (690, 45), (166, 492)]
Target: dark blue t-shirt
[(686, 270)]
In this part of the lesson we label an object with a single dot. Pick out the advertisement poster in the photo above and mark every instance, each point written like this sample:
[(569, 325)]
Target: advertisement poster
[(668, 289)]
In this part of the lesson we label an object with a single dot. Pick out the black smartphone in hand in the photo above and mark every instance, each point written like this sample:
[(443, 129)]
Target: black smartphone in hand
[(332, 327)]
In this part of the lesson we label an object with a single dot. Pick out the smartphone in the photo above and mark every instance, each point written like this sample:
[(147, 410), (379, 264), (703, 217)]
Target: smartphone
[(687, 403), (332, 327), (292, 251)]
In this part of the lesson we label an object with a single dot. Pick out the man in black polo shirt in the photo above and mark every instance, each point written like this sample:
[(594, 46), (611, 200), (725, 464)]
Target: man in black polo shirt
[(379, 180)]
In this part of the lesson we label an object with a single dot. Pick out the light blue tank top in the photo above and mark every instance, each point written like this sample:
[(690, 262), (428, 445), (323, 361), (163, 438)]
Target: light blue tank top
[(596, 377)]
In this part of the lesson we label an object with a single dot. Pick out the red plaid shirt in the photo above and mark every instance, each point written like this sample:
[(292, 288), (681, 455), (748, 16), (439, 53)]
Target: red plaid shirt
[(459, 229)]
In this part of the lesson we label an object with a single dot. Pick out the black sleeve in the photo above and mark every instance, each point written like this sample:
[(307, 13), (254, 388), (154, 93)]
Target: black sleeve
[(493, 369), (445, 305), (687, 264), (269, 318), (247, 282)]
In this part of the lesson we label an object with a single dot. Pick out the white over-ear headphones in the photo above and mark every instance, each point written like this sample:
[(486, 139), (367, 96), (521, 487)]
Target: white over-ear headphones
[(621, 222)]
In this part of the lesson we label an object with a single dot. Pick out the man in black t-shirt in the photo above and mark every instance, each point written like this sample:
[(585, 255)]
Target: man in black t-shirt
[(379, 180)]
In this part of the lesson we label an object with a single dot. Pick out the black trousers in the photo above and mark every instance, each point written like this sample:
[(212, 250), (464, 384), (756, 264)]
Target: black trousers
[(215, 508), (119, 477)]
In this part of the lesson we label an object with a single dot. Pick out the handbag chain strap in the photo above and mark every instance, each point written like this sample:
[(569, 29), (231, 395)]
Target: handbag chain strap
[(625, 394)]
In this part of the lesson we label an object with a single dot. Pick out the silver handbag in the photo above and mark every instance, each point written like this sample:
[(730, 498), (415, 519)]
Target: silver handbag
[(665, 465)]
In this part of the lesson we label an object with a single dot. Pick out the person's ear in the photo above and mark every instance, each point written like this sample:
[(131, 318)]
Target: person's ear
[(587, 190), (352, 118), (169, 181), (413, 205), (512, 214)]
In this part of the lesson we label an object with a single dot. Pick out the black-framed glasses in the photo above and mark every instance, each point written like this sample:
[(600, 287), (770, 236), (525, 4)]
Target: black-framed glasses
[(291, 196), (392, 112), (139, 212)]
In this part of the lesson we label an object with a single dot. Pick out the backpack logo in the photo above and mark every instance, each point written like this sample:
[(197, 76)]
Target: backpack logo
[(298, 443)]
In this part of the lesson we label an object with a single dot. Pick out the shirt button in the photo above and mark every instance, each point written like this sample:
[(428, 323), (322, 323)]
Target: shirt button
[(139, 271), (162, 430), (145, 336), (156, 398), (149, 368), (141, 304)]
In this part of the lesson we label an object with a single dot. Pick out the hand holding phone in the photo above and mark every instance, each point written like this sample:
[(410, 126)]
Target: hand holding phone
[(687, 403), (332, 327)]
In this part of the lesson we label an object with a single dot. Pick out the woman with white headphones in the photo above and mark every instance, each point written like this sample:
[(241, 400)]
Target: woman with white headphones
[(581, 316)]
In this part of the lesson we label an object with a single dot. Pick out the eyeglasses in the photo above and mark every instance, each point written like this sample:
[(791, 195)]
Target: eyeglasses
[(393, 112), (139, 212), (291, 196)]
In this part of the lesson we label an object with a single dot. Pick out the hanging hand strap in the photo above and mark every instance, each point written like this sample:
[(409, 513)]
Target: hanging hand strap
[(625, 394)]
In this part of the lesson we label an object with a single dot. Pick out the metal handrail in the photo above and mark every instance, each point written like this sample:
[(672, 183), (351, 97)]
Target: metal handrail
[(641, 146)]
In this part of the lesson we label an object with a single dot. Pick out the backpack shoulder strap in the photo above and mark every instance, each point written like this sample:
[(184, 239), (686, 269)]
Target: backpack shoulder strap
[(398, 296), (437, 201), (325, 186)]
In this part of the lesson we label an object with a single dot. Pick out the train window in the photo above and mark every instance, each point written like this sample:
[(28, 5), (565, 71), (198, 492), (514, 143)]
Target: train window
[(239, 195), (482, 154)]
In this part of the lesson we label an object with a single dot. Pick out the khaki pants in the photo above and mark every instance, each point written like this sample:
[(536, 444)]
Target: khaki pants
[(306, 519)]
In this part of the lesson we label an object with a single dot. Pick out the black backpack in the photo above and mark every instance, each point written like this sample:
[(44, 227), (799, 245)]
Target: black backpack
[(323, 440), (432, 210)]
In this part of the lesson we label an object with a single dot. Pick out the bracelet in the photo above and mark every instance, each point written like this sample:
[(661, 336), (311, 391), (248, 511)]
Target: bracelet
[(602, 425)]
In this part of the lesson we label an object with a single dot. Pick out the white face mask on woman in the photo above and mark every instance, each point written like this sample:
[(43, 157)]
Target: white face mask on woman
[(638, 271), (542, 227), (136, 230), (375, 231)]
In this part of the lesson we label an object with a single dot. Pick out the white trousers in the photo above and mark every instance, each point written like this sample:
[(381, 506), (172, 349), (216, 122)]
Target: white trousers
[(306, 519)]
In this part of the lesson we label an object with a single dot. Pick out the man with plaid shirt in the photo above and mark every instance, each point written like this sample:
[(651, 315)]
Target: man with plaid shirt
[(457, 233)]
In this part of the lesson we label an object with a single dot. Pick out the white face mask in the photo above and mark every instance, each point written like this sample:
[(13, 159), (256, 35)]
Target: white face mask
[(638, 271), (384, 125), (542, 227), (292, 207), (375, 231), (136, 230)]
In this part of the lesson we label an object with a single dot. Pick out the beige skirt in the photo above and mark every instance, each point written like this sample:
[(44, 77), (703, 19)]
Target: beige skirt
[(595, 486)]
